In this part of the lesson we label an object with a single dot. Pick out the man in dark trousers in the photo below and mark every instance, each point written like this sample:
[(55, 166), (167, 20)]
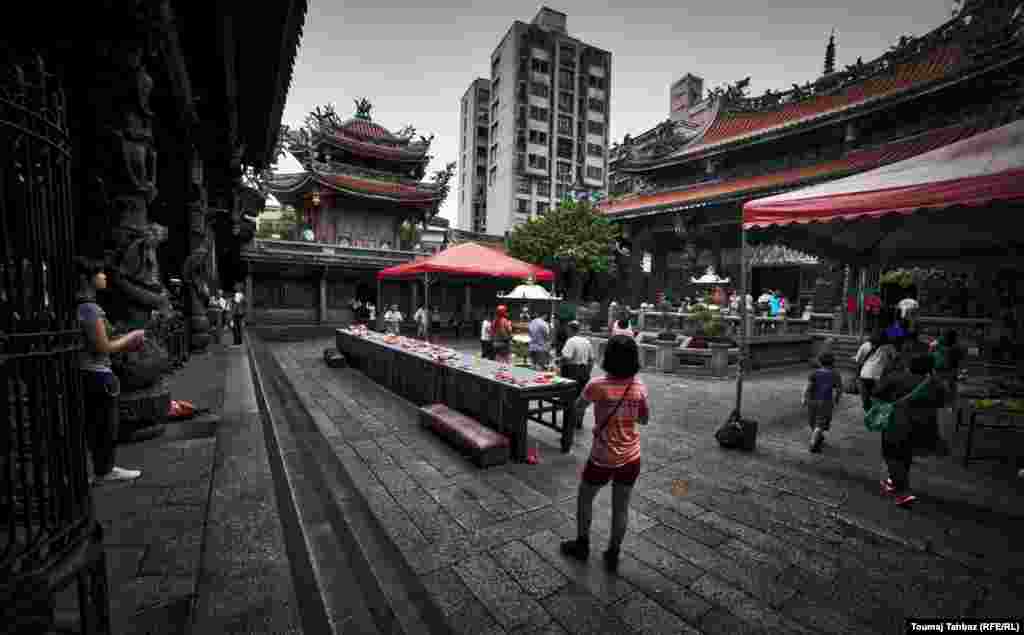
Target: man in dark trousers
[(238, 314), (577, 361)]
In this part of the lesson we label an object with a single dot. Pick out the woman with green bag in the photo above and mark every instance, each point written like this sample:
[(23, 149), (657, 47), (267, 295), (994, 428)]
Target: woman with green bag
[(905, 411)]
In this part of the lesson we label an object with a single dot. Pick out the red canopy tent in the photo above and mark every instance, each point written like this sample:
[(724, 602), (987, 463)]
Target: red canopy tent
[(469, 260), (959, 201), (924, 208)]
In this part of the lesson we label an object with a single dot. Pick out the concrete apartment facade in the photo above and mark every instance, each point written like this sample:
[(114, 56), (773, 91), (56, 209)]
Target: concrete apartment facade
[(548, 120), (474, 122)]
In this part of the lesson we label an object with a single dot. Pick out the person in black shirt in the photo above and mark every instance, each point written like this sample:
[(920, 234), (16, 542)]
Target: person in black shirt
[(914, 429)]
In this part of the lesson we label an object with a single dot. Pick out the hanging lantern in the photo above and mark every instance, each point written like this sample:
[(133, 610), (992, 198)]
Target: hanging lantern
[(316, 199)]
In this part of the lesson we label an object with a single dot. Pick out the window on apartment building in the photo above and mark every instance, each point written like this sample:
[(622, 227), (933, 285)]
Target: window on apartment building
[(540, 66), (539, 89), (564, 171), (597, 105), (565, 101), (523, 185), (521, 141), (481, 153), (539, 114), (564, 125), (596, 82), (494, 109), (564, 148), (561, 191), (594, 173), (483, 95), (492, 176), (543, 187), (494, 153), (565, 77), (536, 136), (595, 150), (538, 162), (542, 208), (595, 127), (567, 52), (481, 133), (522, 206)]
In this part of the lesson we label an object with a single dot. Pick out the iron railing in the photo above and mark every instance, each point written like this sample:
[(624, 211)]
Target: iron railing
[(49, 537)]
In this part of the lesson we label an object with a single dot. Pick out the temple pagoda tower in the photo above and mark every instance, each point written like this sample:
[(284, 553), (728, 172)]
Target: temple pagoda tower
[(360, 196), (361, 181)]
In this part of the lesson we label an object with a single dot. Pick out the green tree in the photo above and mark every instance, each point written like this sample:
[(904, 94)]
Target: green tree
[(283, 227), (574, 237)]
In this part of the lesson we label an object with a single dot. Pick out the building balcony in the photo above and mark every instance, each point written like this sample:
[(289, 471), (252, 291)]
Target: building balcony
[(324, 254)]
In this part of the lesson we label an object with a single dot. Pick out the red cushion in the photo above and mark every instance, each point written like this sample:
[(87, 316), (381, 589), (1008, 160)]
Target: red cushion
[(467, 429)]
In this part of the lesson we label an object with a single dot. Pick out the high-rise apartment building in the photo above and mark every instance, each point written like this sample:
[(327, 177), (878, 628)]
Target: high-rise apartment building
[(548, 121), (474, 122)]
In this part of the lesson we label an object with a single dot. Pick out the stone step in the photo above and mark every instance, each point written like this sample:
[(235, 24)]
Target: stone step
[(344, 540)]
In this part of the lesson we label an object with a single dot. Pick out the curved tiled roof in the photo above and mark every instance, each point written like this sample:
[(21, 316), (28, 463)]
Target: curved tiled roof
[(856, 161), (734, 126), (403, 193), (376, 149), (366, 129)]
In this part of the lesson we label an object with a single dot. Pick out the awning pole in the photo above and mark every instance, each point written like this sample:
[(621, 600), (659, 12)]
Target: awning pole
[(860, 296), (426, 305), (744, 318)]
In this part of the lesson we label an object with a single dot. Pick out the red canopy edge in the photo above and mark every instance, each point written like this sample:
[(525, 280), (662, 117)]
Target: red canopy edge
[(469, 259), (974, 191), (976, 171)]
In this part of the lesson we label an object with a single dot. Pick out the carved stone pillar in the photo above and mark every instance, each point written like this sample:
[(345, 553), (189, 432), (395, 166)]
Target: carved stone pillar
[(121, 161), (637, 277), (322, 307)]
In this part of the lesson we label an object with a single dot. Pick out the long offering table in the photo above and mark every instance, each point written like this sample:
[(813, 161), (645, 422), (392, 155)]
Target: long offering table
[(500, 397)]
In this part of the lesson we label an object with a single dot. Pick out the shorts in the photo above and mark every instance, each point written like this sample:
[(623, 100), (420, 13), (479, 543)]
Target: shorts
[(819, 414), (621, 475)]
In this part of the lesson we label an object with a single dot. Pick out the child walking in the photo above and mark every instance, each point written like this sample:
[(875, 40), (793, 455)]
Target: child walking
[(620, 404), (824, 389)]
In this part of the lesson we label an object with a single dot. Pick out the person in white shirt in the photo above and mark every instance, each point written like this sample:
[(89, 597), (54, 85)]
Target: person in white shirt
[(577, 360), (422, 317), (876, 355), (393, 320), (486, 349)]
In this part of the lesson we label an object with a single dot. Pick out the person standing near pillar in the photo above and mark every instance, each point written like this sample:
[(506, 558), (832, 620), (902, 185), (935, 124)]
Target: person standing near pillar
[(101, 387), (577, 361), (486, 349), (238, 314)]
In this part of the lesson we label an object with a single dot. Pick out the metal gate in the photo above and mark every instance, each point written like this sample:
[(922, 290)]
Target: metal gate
[(49, 537)]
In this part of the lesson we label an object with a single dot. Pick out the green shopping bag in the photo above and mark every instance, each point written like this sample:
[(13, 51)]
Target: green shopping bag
[(880, 416)]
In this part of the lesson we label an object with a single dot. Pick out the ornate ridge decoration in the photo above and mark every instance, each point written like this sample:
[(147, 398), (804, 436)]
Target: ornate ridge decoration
[(363, 107), (980, 27)]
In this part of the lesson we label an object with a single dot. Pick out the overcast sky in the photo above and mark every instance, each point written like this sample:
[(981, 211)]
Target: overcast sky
[(414, 62)]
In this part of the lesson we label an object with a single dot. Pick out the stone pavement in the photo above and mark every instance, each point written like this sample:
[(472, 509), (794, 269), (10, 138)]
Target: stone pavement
[(719, 542), (195, 544)]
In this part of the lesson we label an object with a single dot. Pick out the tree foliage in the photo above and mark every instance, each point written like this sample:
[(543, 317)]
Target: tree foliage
[(574, 231)]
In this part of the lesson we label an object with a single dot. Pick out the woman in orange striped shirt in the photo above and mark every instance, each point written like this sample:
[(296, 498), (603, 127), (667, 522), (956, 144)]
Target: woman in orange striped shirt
[(620, 406)]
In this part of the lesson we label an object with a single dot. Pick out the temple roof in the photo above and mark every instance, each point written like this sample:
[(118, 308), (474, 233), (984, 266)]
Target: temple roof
[(731, 126), (944, 55), (720, 191), (368, 139), (356, 182)]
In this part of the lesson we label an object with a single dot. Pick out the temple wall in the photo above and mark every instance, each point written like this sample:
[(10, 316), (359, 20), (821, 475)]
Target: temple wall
[(361, 227)]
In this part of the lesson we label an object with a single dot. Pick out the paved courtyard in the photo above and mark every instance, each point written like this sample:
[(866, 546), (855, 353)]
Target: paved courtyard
[(778, 541)]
